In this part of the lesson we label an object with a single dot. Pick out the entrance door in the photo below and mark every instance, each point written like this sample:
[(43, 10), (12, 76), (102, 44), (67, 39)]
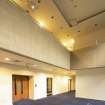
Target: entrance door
[(49, 86), (69, 85), (20, 87)]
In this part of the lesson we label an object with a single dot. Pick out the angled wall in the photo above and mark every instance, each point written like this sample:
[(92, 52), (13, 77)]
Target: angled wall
[(90, 83), (88, 57), (20, 34), (90, 76)]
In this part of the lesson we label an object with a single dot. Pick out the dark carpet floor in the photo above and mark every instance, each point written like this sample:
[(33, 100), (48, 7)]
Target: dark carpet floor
[(62, 99)]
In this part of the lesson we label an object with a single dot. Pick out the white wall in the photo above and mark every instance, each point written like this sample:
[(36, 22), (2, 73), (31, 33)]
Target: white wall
[(5, 87), (6, 72), (60, 84), (41, 84), (19, 33), (36, 78), (91, 84)]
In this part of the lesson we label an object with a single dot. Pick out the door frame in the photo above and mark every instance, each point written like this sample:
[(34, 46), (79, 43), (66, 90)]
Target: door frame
[(21, 79)]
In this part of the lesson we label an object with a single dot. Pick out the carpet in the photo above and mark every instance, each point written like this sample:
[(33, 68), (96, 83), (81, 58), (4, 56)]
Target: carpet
[(62, 99)]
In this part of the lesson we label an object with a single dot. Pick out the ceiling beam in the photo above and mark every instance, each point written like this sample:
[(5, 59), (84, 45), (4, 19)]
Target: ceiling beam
[(87, 68), (92, 16)]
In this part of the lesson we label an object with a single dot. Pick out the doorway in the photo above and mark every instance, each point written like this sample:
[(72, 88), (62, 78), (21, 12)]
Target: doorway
[(69, 85), (49, 86), (20, 87), (73, 84)]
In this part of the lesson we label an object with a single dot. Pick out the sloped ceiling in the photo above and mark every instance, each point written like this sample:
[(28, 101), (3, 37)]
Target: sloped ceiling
[(69, 20)]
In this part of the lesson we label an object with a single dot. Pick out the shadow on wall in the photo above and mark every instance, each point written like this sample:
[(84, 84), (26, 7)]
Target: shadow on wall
[(74, 60)]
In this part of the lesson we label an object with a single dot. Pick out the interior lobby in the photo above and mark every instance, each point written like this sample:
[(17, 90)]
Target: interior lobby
[(52, 52)]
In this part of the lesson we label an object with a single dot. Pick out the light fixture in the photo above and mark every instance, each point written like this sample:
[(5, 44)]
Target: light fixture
[(72, 41), (39, 1), (64, 43), (33, 6), (69, 44), (7, 59), (41, 24), (52, 17), (70, 48)]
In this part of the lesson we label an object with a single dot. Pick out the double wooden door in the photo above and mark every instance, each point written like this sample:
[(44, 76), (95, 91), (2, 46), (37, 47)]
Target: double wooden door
[(20, 87)]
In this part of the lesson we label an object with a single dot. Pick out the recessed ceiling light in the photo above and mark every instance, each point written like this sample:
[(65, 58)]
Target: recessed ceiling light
[(96, 24), (64, 43), (7, 59), (27, 11), (52, 17), (39, 1), (72, 41), (41, 24), (33, 6), (70, 48), (75, 6)]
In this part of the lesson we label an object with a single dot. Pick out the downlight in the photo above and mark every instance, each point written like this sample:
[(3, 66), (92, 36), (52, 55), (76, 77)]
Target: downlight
[(7, 59)]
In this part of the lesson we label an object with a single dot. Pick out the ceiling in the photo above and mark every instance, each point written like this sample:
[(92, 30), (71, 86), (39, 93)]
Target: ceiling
[(70, 21), (11, 58)]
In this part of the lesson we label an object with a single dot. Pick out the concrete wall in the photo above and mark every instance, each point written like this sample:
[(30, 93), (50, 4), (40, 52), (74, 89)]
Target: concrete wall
[(90, 78), (19, 33), (89, 57), (37, 82), (90, 83)]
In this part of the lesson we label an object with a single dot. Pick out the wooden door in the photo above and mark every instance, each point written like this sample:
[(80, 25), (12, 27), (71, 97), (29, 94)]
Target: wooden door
[(49, 86), (20, 87)]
